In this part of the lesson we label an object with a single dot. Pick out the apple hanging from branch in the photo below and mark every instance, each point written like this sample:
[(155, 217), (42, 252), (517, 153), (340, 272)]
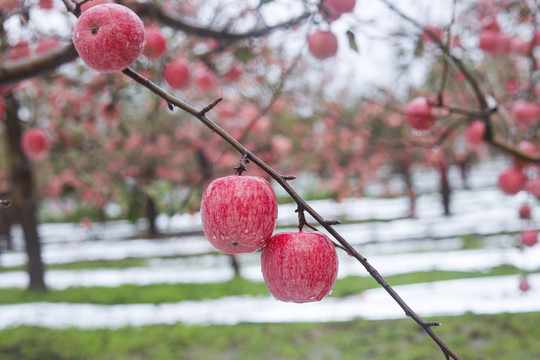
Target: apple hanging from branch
[(238, 213), (299, 266), (109, 37)]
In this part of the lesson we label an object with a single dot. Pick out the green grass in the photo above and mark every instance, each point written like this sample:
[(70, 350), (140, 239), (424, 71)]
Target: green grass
[(91, 264), (161, 293), (473, 337)]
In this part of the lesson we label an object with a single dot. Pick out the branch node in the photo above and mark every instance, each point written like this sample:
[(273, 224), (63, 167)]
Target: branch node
[(288, 177), (209, 107), (242, 167), (432, 323), (170, 105)]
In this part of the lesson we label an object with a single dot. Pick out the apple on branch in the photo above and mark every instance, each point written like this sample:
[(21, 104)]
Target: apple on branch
[(474, 133), (338, 7), (419, 114), (524, 284), (238, 213), (156, 43), (525, 211), (525, 113), (511, 181), (322, 44), (529, 237), (35, 143), (299, 266), (109, 37), (177, 74)]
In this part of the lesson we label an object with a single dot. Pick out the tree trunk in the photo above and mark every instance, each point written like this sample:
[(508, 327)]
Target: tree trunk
[(6, 221), (464, 171), (151, 215), (235, 265), (411, 194), (445, 189), (24, 204)]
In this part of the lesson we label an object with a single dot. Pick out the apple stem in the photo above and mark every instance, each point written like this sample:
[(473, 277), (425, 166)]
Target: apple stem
[(243, 161), (302, 218)]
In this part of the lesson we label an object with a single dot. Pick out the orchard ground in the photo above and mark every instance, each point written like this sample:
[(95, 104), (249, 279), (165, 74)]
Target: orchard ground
[(108, 287)]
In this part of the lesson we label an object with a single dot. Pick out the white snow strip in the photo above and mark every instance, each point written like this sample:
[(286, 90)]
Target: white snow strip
[(217, 268), (482, 296), (483, 212)]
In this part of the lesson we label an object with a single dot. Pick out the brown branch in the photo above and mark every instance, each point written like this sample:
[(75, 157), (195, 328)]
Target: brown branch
[(485, 107), (13, 71), (149, 9)]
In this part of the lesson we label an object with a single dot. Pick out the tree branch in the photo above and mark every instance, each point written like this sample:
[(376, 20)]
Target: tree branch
[(149, 9), (13, 71)]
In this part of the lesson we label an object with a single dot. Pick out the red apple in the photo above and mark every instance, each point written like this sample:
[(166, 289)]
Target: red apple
[(109, 37), (474, 133), (176, 73), (511, 181), (238, 213), (524, 284), (35, 143), (526, 113), (529, 237), (495, 42), (419, 114), (524, 211), (205, 79), (338, 7), (156, 43), (322, 44), (46, 44), (299, 266)]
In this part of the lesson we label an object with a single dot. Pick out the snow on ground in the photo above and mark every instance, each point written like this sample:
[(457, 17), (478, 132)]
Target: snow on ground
[(481, 296), (394, 245), (216, 268), (485, 212)]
